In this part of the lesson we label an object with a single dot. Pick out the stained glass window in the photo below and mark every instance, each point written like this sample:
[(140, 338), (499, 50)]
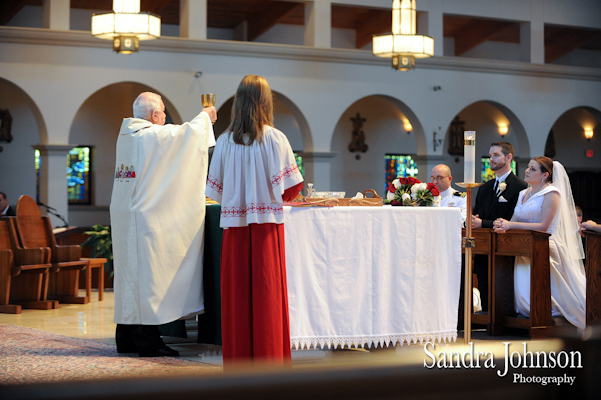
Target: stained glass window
[(78, 175), (488, 174), (398, 165), (299, 162), (38, 168)]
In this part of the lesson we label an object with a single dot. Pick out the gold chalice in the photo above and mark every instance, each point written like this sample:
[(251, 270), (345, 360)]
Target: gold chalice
[(208, 99)]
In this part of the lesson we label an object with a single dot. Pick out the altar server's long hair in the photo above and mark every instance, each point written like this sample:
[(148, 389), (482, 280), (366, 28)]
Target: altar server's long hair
[(252, 110)]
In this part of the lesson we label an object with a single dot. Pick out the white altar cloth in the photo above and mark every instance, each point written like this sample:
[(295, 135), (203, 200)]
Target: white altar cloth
[(368, 276)]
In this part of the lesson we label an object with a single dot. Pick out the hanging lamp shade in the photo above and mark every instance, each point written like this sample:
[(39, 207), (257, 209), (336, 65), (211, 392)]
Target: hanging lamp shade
[(403, 45), (126, 26)]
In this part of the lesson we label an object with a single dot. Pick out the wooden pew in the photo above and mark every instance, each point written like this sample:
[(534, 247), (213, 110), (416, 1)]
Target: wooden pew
[(593, 278), (502, 250), (23, 274), (535, 245), (33, 230)]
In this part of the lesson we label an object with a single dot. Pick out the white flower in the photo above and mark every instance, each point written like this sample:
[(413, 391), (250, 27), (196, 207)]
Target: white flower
[(417, 187), (389, 196), (397, 183), (502, 186), (405, 196)]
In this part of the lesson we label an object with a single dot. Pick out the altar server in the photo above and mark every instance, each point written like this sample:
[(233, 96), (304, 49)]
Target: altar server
[(253, 170), (442, 178), (157, 218)]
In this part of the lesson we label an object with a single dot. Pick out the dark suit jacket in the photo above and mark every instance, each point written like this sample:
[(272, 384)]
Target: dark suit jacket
[(488, 206), (10, 212)]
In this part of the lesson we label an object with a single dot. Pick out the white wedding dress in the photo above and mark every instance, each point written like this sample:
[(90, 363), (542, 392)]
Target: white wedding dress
[(568, 284)]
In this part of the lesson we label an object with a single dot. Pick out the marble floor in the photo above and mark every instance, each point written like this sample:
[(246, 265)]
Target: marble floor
[(95, 321)]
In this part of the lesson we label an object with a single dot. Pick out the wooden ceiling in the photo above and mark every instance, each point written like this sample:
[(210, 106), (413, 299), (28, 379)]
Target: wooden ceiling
[(261, 15), (559, 40)]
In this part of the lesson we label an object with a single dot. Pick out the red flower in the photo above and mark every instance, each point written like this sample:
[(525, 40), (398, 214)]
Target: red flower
[(412, 181), (391, 189), (433, 189), (404, 181)]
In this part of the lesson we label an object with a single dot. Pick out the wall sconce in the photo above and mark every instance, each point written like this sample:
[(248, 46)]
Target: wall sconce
[(408, 127), (588, 133), (503, 129)]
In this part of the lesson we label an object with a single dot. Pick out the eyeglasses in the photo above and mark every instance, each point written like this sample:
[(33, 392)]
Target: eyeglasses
[(437, 178)]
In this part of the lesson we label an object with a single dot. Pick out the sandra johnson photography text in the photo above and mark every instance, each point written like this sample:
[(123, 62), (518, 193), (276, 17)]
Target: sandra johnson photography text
[(515, 356)]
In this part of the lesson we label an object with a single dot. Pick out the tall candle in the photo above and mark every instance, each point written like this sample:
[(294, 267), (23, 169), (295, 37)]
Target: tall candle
[(469, 164)]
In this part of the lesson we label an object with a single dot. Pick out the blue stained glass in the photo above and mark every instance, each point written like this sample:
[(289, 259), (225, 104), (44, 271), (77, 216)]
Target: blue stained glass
[(398, 165)]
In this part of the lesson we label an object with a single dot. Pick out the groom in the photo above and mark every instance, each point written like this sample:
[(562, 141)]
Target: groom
[(495, 199)]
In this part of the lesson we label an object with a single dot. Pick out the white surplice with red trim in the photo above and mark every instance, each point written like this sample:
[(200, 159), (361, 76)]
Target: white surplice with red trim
[(249, 181), (157, 219)]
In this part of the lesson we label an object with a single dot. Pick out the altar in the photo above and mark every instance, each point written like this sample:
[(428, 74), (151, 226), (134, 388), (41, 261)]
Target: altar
[(372, 276)]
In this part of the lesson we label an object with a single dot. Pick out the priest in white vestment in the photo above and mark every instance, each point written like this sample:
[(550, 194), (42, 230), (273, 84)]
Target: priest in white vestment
[(157, 219)]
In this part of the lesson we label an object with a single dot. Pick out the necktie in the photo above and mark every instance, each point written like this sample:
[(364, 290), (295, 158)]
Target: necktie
[(498, 189), (496, 186)]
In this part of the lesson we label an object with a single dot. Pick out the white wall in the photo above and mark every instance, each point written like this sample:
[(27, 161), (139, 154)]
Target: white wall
[(384, 134), (17, 167), (65, 97)]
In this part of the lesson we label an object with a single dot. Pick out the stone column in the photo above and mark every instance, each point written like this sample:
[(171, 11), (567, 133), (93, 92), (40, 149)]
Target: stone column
[(193, 19), (430, 24), (318, 17), (532, 36), (56, 15), (317, 169), (53, 180)]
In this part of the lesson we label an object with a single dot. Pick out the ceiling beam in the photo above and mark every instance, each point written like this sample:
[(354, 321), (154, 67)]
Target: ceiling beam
[(263, 20), (564, 41), (475, 33), (380, 22), (8, 10)]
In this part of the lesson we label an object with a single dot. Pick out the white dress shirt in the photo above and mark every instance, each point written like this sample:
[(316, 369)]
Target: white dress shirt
[(449, 199)]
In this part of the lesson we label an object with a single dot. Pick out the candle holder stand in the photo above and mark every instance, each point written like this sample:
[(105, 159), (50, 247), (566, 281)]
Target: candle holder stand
[(468, 243)]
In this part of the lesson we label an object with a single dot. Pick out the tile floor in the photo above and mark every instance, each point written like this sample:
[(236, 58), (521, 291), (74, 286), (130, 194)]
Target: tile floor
[(95, 321)]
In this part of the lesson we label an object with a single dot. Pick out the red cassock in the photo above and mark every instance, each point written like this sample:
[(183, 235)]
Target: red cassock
[(254, 292)]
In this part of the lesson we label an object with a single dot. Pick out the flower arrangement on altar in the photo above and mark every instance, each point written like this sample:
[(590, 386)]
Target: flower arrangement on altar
[(412, 192)]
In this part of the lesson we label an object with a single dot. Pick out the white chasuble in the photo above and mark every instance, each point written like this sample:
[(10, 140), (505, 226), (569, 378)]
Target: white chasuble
[(256, 177), (157, 219)]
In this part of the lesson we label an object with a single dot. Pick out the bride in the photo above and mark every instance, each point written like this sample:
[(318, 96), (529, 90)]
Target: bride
[(547, 205)]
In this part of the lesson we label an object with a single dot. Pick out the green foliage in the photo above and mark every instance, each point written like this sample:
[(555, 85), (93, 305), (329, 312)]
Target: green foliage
[(102, 245)]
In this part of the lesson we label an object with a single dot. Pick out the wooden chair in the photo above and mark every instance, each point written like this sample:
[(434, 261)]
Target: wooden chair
[(23, 274), (34, 231)]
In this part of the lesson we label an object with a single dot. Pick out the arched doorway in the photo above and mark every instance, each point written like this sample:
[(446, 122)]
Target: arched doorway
[(97, 124), (27, 129), (567, 144), (384, 124), (487, 118)]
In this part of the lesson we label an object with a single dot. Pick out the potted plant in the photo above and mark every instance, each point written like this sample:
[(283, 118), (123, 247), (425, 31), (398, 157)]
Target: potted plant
[(102, 245)]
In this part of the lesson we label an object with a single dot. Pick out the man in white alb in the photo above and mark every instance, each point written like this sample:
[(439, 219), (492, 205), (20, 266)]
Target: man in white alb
[(157, 219), (441, 177)]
